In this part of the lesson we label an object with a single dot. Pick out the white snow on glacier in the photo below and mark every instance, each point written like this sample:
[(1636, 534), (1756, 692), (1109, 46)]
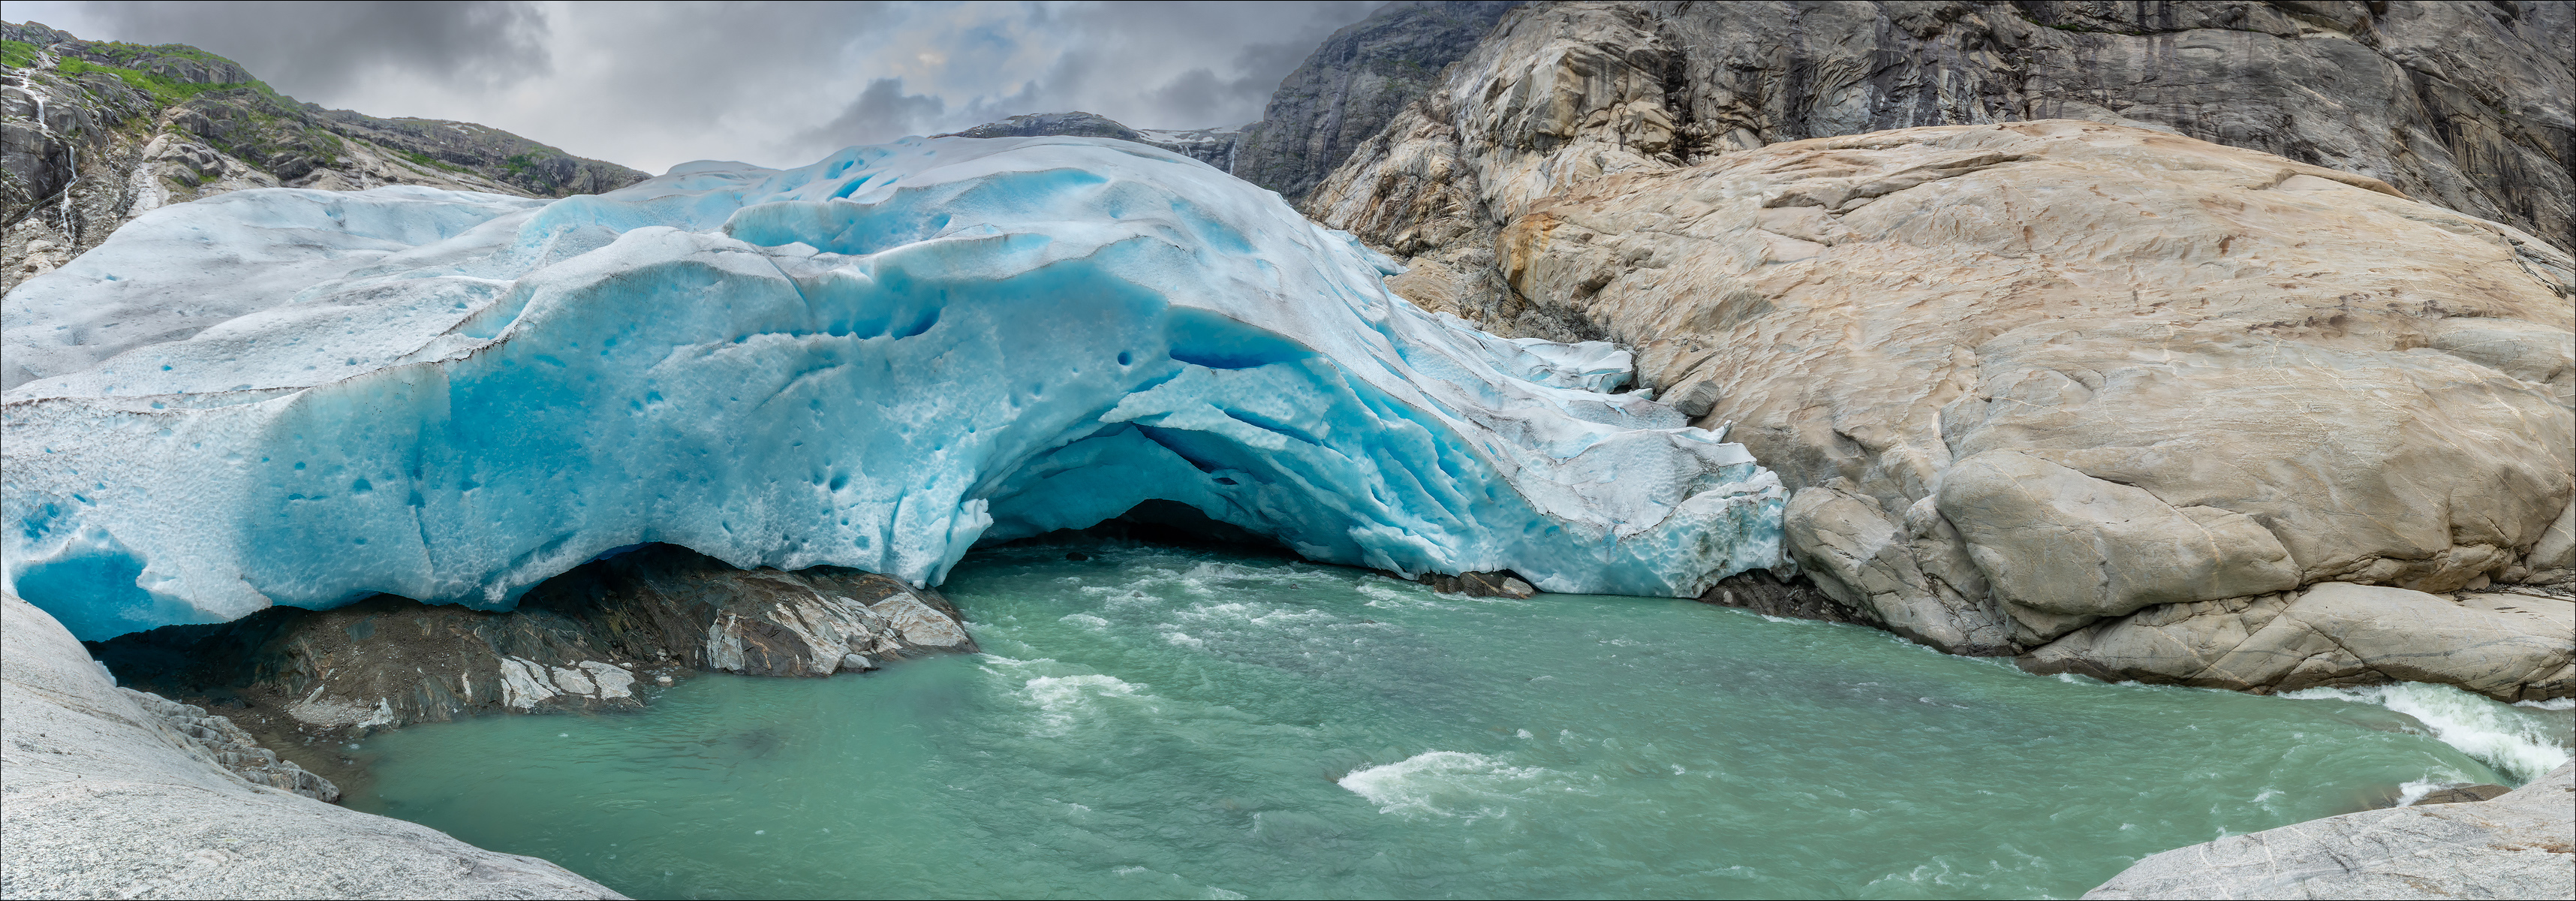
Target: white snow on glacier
[(302, 397)]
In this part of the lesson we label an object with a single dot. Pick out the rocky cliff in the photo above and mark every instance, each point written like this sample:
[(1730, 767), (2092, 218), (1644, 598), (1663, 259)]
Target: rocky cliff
[(2093, 391), (1343, 93), (1213, 146), (99, 132), (2464, 106), (1351, 86)]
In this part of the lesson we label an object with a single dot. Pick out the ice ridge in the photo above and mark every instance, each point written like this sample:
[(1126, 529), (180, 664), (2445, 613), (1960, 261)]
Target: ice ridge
[(302, 397)]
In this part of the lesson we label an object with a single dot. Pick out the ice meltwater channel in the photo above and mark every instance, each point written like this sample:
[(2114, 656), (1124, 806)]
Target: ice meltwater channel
[(1156, 723)]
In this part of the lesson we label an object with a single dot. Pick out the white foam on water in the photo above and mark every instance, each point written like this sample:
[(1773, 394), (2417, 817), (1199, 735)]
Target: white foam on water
[(1061, 699), (1443, 783), (2551, 704), (2410, 792), (2513, 741), (1084, 620)]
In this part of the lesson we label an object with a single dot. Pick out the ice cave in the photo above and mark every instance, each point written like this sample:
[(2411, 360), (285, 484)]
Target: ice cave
[(879, 360)]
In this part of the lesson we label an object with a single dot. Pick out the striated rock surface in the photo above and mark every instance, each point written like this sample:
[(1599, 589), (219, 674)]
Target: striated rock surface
[(584, 640), (2516, 846), (2043, 375), (217, 739), (94, 133), (108, 793), (2036, 375)]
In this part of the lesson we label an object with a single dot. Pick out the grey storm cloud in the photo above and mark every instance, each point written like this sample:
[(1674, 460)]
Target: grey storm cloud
[(309, 45), (654, 84)]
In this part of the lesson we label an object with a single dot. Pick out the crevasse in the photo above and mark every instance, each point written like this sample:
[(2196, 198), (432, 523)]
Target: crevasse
[(878, 360)]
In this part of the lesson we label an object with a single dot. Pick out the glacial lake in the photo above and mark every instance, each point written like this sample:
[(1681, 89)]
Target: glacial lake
[(1166, 723)]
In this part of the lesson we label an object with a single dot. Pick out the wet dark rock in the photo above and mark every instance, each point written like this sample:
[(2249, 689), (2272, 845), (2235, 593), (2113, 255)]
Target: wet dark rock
[(2460, 794), (1762, 592), (1502, 584), (581, 641)]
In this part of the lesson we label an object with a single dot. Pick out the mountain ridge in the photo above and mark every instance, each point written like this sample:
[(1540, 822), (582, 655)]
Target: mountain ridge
[(97, 132)]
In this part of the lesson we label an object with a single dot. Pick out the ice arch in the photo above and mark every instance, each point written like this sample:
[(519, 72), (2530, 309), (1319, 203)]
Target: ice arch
[(300, 397)]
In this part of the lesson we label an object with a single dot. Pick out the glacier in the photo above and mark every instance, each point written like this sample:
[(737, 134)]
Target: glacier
[(880, 360)]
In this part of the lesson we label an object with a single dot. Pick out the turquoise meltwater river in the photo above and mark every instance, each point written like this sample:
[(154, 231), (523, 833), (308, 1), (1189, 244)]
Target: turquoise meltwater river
[(1163, 723)]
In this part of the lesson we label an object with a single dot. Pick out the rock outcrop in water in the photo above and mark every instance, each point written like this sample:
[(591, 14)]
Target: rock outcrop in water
[(590, 639), (113, 794), (2059, 381), (2516, 846), (98, 132)]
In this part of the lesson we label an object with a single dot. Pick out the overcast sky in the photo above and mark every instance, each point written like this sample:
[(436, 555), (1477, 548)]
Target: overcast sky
[(651, 85)]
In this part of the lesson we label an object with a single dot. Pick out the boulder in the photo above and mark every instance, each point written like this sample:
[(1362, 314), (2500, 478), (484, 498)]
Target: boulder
[(2061, 548), (2515, 846)]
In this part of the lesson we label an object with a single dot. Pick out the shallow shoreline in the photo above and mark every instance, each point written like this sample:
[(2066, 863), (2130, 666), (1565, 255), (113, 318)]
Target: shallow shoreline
[(105, 799), (83, 666)]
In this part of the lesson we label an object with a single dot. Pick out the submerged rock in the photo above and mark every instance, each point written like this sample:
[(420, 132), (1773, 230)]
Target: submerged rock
[(115, 794), (581, 641), (2516, 846)]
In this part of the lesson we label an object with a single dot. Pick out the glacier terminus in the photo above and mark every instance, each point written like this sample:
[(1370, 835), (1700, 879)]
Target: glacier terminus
[(879, 360)]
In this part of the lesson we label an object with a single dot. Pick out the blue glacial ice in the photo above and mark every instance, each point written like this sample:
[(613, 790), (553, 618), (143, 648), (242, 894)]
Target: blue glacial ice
[(878, 360)]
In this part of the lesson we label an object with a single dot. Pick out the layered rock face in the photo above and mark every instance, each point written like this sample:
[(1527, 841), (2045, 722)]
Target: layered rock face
[(111, 793), (2515, 846), (2055, 388), (2459, 105), (586, 640), (99, 132)]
